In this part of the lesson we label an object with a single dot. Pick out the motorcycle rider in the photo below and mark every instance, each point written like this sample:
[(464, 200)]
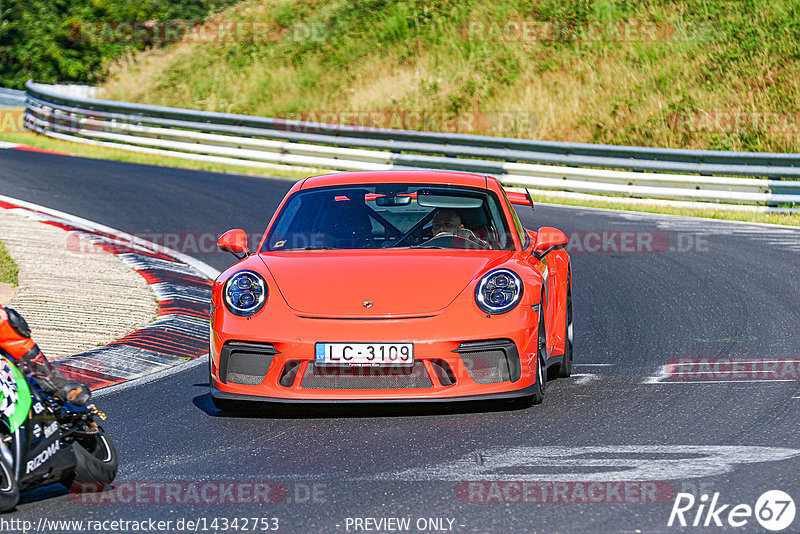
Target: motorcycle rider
[(15, 339)]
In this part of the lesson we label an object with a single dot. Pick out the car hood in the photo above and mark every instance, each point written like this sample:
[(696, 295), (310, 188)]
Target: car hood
[(384, 283)]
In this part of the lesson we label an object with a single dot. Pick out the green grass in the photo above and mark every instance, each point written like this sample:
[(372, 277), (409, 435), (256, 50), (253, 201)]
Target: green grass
[(713, 74), (9, 273)]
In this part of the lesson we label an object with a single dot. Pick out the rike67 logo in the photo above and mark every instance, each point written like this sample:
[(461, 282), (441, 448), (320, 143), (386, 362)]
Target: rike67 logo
[(774, 510)]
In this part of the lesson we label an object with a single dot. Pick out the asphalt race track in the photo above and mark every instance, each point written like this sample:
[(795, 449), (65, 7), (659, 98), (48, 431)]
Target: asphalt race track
[(612, 446)]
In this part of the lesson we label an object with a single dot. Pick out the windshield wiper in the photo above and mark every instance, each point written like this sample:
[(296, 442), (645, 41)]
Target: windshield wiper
[(428, 246)]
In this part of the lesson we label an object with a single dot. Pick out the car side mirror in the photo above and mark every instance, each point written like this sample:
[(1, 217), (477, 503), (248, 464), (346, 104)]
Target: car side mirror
[(235, 242), (547, 240)]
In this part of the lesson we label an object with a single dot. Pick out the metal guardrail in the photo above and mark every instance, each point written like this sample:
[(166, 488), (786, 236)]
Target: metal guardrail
[(11, 98), (268, 142)]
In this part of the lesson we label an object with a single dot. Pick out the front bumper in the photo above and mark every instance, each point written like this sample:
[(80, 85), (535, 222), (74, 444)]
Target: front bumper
[(442, 372)]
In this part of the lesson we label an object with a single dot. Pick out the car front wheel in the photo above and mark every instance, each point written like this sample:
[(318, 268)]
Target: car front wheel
[(565, 369), (541, 357)]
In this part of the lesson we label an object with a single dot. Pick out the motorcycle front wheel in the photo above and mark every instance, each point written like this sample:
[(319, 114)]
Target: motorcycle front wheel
[(96, 462), (9, 492)]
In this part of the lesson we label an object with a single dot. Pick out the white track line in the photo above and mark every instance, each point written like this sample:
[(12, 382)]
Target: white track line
[(663, 376), (204, 268), (667, 372), (584, 378), (146, 379), (733, 360), (657, 379), (699, 373), (748, 381)]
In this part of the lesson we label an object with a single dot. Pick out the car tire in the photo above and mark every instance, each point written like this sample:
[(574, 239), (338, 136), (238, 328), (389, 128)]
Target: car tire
[(541, 357), (565, 369), (9, 491), (96, 463)]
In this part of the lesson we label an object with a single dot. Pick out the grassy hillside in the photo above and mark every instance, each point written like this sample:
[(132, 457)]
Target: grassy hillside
[(693, 73), (690, 73)]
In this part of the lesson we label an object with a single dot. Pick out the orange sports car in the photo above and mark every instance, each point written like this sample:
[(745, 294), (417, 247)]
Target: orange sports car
[(389, 287)]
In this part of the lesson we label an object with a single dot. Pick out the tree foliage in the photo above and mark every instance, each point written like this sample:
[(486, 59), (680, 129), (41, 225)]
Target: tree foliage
[(55, 41)]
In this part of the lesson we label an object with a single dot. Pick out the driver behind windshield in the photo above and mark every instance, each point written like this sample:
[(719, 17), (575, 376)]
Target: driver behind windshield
[(447, 223)]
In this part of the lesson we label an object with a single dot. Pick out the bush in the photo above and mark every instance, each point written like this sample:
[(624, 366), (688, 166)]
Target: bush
[(48, 41)]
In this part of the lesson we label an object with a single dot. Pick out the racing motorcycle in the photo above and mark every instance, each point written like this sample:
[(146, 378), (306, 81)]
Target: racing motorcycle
[(44, 440)]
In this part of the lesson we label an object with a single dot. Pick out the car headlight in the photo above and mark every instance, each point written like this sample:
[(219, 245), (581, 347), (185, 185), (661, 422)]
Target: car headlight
[(245, 293), (499, 291)]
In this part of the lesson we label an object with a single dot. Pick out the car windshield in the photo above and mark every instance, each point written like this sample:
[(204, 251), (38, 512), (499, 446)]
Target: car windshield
[(371, 216)]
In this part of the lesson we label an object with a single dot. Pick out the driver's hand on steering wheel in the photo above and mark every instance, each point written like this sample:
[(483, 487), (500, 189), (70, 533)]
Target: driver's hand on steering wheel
[(466, 233), (463, 233)]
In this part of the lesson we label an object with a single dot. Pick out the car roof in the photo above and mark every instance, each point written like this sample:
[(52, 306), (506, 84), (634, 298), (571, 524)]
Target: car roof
[(398, 177)]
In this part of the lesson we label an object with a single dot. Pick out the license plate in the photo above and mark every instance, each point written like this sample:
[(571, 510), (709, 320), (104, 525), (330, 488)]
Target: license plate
[(364, 354)]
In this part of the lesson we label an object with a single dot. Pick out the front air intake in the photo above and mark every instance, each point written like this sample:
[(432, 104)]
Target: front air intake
[(491, 361), (443, 372), (359, 378), (289, 373), (245, 363)]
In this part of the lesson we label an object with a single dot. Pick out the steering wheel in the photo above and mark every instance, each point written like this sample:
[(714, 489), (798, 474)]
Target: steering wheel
[(453, 241)]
